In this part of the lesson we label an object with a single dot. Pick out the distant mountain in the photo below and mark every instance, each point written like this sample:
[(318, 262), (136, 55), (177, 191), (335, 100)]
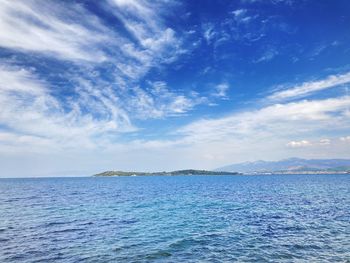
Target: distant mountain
[(290, 165)]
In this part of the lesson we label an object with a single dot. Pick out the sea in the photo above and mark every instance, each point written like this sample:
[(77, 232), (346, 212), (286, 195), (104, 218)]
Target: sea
[(257, 218)]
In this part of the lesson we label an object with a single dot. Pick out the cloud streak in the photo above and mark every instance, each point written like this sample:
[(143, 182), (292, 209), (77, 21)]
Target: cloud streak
[(31, 26), (310, 87)]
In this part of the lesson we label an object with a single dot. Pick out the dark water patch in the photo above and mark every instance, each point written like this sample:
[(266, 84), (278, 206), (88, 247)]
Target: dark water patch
[(52, 259), (57, 223), (128, 221), (182, 244), (290, 229), (67, 230), (125, 247), (304, 247), (11, 200), (117, 249), (186, 243), (161, 254), (86, 224), (210, 236)]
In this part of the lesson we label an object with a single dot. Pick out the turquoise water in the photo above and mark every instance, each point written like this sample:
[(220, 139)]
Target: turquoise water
[(296, 218)]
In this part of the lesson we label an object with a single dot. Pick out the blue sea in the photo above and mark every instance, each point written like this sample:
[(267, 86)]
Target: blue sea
[(287, 218)]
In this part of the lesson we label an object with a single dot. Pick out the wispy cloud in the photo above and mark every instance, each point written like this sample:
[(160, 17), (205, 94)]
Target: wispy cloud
[(51, 28), (283, 119), (158, 101), (143, 20), (32, 113), (209, 32), (32, 26), (309, 87), (93, 106), (267, 55), (325, 142), (28, 109)]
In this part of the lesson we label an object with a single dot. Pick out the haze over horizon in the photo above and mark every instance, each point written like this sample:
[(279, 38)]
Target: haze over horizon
[(89, 86)]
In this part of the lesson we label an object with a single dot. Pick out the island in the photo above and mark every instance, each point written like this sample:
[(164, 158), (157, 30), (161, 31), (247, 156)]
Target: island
[(173, 173)]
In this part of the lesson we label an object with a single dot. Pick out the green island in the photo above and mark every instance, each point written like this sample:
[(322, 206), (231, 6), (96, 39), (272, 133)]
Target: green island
[(173, 173)]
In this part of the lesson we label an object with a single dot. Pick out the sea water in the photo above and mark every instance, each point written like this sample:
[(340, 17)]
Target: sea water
[(286, 218)]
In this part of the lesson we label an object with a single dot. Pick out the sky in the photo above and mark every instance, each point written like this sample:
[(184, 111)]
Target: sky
[(153, 85)]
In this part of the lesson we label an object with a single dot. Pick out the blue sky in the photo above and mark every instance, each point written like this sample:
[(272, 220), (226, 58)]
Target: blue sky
[(87, 86)]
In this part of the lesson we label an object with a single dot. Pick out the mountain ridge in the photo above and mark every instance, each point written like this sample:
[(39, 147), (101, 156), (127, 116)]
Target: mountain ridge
[(290, 165)]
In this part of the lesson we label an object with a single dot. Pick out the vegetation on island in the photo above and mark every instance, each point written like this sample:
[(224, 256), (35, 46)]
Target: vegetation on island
[(178, 172)]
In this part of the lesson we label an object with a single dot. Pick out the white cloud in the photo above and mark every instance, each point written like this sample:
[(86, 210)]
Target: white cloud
[(221, 90), (19, 80), (308, 143), (239, 12), (298, 144), (309, 87), (345, 139), (240, 16)]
